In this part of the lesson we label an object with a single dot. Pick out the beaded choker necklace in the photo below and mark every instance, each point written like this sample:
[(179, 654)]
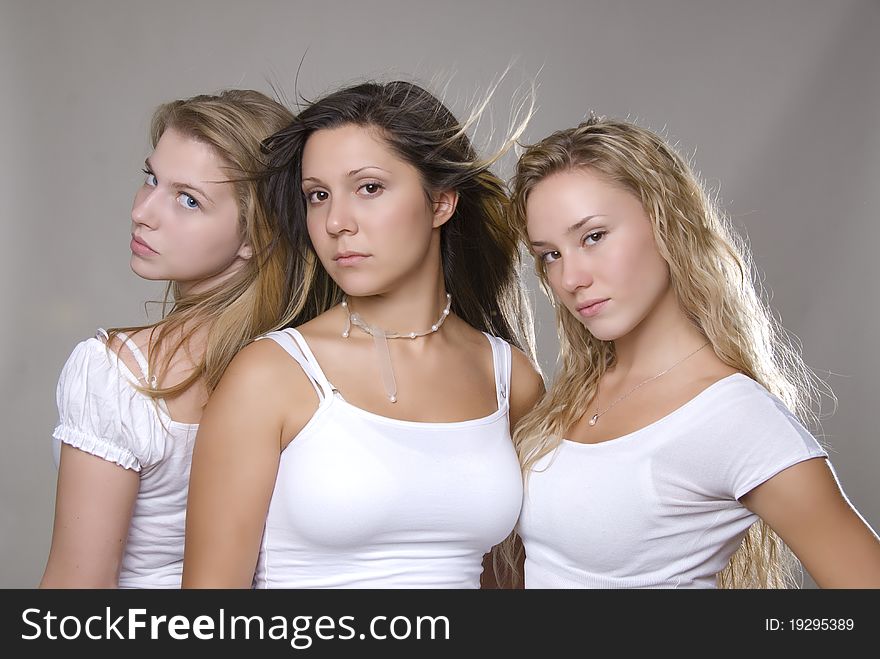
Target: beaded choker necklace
[(380, 340)]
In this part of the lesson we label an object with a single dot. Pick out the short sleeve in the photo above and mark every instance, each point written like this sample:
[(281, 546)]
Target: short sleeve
[(762, 439), (99, 412)]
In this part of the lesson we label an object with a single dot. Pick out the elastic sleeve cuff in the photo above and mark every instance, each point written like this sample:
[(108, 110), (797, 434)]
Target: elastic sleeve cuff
[(96, 446)]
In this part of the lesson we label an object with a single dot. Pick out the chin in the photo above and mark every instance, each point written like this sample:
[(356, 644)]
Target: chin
[(363, 284), (603, 336), (605, 331), (138, 268), (357, 287)]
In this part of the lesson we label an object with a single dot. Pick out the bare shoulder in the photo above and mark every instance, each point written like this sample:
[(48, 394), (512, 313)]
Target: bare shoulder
[(524, 374), (266, 380), (720, 372), (526, 385), (703, 375), (259, 364), (715, 369)]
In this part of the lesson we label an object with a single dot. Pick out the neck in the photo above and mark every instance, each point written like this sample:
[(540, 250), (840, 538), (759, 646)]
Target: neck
[(187, 288), (663, 337), (404, 310)]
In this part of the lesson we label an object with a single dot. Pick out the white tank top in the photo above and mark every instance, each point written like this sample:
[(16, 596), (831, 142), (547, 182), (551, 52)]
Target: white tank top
[(366, 501)]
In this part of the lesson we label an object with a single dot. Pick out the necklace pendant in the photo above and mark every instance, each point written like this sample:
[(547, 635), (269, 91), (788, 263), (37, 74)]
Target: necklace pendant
[(380, 339), (594, 419)]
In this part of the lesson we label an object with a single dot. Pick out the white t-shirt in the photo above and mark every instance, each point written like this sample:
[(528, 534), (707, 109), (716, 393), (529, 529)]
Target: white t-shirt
[(658, 508), (102, 414), (366, 501)]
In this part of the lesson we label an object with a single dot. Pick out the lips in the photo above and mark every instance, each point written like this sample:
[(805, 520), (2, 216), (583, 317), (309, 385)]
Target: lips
[(140, 247), (349, 258), (592, 307)]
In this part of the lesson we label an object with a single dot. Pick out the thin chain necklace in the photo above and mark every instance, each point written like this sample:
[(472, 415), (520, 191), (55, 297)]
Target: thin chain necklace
[(595, 418), (380, 340)]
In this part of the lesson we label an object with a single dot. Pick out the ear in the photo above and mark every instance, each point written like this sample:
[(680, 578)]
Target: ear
[(245, 252), (444, 204)]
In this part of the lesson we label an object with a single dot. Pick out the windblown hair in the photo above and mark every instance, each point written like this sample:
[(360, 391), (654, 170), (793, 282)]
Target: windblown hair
[(712, 276), (480, 256), (256, 299)]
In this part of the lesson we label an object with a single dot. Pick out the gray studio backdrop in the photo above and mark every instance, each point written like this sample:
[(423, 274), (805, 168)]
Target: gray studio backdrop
[(777, 101)]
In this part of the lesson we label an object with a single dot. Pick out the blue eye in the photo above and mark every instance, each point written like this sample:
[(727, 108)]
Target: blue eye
[(151, 178), (187, 201)]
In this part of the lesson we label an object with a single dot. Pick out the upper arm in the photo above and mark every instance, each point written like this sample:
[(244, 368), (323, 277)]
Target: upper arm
[(235, 461), (93, 506), (526, 386), (805, 505)]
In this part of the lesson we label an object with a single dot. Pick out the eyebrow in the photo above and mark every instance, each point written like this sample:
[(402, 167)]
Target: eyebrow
[(352, 173), (180, 186), (570, 230)]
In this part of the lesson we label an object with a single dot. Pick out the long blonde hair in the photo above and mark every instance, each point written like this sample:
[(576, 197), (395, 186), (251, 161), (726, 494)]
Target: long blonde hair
[(257, 297), (711, 275)]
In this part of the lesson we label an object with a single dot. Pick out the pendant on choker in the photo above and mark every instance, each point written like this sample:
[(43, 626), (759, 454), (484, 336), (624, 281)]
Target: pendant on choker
[(380, 340)]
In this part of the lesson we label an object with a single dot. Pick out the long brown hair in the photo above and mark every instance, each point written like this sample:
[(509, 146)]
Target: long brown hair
[(712, 276), (256, 298)]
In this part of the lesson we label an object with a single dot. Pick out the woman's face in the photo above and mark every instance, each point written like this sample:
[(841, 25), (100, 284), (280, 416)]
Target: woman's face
[(598, 250), (185, 225), (368, 218)]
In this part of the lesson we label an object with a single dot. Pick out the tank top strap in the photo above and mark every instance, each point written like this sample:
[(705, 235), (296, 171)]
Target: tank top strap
[(141, 359), (501, 359), (139, 356), (295, 345)]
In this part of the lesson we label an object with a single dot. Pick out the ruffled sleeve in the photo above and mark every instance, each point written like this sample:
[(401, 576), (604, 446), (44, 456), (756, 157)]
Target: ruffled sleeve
[(99, 412)]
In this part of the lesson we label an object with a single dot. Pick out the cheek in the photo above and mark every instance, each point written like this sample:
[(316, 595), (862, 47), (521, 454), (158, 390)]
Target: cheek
[(315, 228), (553, 275), (215, 243), (638, 259), (403, 222), (653, 265)]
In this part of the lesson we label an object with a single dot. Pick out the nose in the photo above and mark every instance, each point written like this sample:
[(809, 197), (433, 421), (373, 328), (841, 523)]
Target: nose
[(340, 218), (142, 211), (575, 273)]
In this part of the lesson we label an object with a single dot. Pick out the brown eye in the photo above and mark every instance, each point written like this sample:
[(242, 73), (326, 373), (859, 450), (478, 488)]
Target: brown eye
[(371, 189), (593, 237)]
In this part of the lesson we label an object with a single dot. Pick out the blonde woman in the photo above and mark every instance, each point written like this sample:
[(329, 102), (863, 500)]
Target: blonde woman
[(130, 399), (669, 452)]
